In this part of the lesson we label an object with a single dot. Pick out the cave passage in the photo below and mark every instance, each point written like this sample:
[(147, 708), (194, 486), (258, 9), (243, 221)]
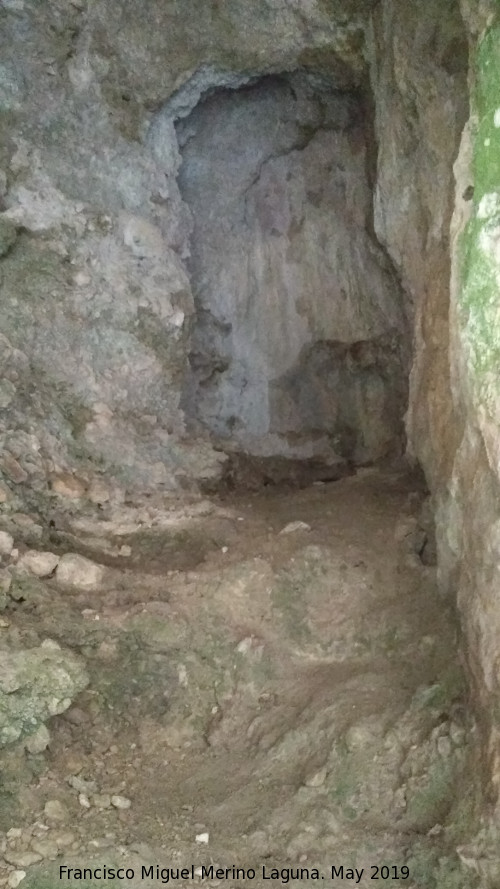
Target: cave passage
[(299, 343)]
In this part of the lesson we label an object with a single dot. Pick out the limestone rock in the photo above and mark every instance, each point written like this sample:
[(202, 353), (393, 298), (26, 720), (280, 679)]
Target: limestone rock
[(22, 859), (41, 564), (35, 684), (329, 387), (13, 469), (78, 572), (39, 741), (67, 485), (16, 878), (55, 810), (99, 491), (6, 543), (293, 527)]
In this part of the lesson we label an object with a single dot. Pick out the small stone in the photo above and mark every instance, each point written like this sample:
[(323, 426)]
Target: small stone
[(63, 838), (120, 802), (317, 779), (67, 485), (16, 877), (105, 843), (55, 810), (74, 764), (13, 469), (245, 645), (80, 785), (81, 279), (39, 741), (45, 847), (22, 859), (292, 527), (4, 623), (50, 645), (57, 705), (125, 550), (400, 798), (202, 838), (98, 492), (5, 581), (84, 800), (41, 564), (22, 520), (6, 543), (78, 572), (4, 494), (14, 833)]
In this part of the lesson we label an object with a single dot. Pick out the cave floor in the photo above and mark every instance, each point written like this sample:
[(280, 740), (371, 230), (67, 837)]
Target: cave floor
[(261, 694)]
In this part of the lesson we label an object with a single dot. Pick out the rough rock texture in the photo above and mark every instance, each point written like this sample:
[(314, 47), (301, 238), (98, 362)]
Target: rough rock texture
[(419, 67), (468, 518), (97, 306), (35, 684), (95, 294), (78, 572), (301, 331), (41, 564), (95, 235)]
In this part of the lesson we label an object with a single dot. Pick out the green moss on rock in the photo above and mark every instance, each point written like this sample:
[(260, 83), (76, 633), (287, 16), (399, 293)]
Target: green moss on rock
[(34, 685), (480, 274)]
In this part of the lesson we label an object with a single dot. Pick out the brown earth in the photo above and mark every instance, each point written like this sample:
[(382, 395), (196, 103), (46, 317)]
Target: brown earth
[(295, 695)]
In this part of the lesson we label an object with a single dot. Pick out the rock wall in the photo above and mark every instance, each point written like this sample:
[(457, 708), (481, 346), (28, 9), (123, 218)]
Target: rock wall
[(301, 333), (469, 508), (94, 235), (97, 304), (419, 63)]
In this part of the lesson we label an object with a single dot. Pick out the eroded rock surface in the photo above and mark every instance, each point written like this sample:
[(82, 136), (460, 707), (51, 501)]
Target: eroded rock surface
[(300, 338), (35, 684)]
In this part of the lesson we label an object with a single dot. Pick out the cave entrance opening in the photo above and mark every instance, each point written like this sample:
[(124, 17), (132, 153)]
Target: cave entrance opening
[(300, 339)]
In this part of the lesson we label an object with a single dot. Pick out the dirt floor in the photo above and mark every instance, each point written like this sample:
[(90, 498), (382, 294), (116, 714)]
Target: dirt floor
[(274, 686)]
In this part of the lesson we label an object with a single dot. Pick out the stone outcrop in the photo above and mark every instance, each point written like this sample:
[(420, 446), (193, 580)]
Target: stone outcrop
[(36, 684)]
